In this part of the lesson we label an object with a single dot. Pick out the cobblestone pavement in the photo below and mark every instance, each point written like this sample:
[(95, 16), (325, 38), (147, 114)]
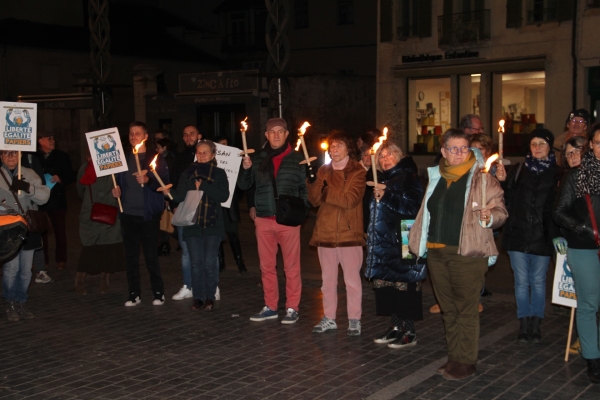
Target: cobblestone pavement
[(92, 347)]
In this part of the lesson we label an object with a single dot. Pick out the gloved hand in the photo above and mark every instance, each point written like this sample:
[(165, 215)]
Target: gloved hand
[(310, 175), (19, 184), (560, 245)]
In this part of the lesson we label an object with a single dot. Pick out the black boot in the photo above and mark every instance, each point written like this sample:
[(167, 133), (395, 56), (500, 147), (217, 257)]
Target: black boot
[(524, 331), (236, 247), (593, 370), (536, 335), (221, 257)]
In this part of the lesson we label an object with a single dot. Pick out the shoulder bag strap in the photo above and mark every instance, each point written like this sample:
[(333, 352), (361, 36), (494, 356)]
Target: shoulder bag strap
[(14, 194), (588, 200), (91, 198)]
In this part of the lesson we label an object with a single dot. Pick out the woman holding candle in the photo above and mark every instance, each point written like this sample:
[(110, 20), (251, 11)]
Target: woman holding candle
[(529, 231), (338, 235), (454, 230), (204, 236), (576, 218), (397, 281)]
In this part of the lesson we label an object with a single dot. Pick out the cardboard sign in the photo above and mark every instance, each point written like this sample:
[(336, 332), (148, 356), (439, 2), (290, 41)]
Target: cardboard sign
[(106, 151), (228, 158), (563, 288), (18, 126)]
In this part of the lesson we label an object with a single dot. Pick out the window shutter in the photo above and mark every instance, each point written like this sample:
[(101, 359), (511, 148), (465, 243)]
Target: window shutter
[(514, 13), (425, 17), (564, 10), (385, 21)]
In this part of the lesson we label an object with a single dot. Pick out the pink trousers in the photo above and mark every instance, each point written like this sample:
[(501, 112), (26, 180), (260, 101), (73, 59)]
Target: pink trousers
[(351, 259), (268, 235)]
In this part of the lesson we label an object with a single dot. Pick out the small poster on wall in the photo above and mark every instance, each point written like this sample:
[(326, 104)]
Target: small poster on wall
[(18, 126), (106, 151)]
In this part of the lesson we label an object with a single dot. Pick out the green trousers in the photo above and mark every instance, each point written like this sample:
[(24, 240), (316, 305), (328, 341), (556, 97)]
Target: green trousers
[(457, 281)]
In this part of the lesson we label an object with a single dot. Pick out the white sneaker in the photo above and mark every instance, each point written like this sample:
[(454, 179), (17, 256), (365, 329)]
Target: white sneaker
[(159, 300), (184, 293), (133, 301), (217, 294), (42, 277)]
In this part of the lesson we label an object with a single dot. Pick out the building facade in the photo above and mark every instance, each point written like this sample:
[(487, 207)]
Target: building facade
[(528, 61)]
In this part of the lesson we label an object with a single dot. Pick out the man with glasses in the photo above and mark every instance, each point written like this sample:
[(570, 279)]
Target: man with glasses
[(471, 124), (576, 125), (58, 173)]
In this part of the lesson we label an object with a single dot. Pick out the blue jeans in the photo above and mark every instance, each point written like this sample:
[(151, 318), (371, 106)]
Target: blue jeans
[(585, 268), (16, 277), (186, 264), (530, 283), (205, 265)]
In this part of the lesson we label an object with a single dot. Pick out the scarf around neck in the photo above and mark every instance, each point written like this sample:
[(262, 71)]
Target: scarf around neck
[(452, 173), (340, 164), (538, 166), (266, 166), (588, 175), (207, 211)]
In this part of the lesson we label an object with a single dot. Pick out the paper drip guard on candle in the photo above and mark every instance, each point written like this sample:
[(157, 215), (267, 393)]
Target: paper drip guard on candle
[(243, 130), (162, 187)]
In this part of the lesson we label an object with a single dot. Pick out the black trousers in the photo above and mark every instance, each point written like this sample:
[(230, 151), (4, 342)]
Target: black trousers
[(138, 232)]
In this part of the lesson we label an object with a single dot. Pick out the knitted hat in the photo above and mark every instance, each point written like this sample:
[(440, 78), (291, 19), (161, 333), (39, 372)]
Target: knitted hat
[(273, 122), (582, 113), (544, 134)]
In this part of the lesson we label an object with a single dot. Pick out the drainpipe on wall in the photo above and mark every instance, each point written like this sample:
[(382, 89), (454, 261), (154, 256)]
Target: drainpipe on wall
[(574, 55)]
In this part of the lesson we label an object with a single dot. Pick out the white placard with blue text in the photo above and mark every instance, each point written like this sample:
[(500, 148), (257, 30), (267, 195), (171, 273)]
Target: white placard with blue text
[(18, 126), (106, 151), (563, 288), (228, 158)]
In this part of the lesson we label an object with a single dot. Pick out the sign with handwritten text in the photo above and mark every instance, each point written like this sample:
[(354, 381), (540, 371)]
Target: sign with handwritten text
[(18, 126), (228, 158), (106, 151)]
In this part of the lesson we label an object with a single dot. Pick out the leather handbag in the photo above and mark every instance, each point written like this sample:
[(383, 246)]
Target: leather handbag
[(289, 210), (103, 213), (588, 200), (37, 221), (165, 221)]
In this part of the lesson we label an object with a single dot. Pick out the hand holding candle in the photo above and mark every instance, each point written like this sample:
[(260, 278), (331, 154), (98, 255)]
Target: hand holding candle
[(374, 183), (141, 171), (243, 130), (163, 187), (484, 173)]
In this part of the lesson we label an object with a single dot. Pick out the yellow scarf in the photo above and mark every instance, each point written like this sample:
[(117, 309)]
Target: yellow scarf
[(452, 173)]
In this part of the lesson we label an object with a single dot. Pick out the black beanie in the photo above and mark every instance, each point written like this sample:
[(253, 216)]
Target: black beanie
[(544, 134)]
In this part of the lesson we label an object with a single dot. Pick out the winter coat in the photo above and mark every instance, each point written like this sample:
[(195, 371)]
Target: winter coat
[(217, 193), (94, 233), (475, 240), (290, 181), (338, 194), (572, 216), (530, 199), (401, 201), (57, 163)]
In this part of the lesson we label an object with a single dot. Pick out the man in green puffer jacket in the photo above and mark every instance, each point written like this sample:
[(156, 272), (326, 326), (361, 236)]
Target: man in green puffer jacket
[(278, 161)]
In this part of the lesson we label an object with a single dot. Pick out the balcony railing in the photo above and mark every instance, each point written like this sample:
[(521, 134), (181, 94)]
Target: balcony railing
[(455, 29), (541, 15)]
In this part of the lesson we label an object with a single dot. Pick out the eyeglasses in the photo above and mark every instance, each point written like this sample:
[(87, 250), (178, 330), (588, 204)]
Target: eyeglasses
[(594, 143), (575, 152), (203, 153), (10, 153), (538, 144), (337, 146), (456, 149), (578, 121), (384, 156)]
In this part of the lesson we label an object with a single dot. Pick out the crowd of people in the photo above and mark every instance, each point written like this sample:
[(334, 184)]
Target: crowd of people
[(445, 231)]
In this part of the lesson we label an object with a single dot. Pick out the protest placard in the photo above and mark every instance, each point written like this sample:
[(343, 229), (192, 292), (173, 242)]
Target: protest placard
[(228, 158), (106, 151), (18, 126), (563, 288)]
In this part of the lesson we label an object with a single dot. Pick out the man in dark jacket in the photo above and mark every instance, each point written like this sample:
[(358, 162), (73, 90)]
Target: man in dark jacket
[(140, 220), (276, 161), (59, 173)]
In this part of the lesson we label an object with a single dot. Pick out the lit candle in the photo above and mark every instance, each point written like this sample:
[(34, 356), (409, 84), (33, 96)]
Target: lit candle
[(501, 141), (137, 159), (162, 184), (373, 167), (374, 183), (301, 133), (243, 130), (326, 158), (488, 165)]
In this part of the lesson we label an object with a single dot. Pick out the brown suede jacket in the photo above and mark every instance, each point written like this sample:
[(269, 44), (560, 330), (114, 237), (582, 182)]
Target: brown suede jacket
[(340, 216)]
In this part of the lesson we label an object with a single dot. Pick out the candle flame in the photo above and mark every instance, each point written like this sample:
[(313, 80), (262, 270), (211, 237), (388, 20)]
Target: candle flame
[(302, 129), (298, 144), (244, 125), (501, 126), (488, 163), (137, 147), (153, 163), (324, 146), (382, 139)]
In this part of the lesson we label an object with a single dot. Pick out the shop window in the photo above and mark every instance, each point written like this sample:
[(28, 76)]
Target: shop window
[(345, 12), (523, 108), (429, 114), (300, 14)]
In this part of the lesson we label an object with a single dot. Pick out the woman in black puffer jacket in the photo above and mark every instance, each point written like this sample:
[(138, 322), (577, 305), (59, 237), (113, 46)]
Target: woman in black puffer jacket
[(397, 281), (529, 230)]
